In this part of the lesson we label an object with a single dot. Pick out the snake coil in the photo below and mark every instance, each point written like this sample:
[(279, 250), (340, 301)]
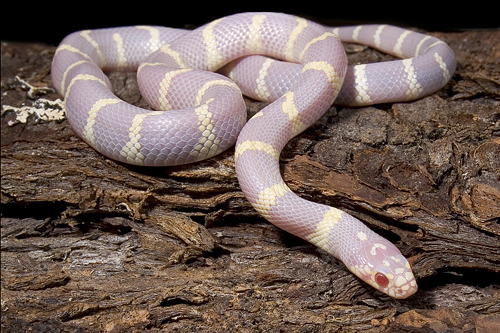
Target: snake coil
[(206, 113)]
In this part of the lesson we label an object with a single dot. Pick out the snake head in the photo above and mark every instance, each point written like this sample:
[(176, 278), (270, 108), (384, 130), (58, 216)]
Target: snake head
[(380, 264)]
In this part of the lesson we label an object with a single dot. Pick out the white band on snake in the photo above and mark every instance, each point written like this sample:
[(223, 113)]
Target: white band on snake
[(206, 112)]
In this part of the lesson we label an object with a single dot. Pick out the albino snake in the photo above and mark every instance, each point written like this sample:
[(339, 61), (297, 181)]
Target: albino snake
[(208, 112)]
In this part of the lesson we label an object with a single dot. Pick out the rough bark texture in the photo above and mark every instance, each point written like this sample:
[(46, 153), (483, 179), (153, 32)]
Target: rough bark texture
[(92, 245)]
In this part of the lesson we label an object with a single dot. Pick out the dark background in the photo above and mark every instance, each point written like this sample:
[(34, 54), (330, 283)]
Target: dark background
[(49, 22)]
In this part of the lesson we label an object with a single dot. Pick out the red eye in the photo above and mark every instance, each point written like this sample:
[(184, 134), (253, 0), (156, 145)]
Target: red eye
[(381, 280)]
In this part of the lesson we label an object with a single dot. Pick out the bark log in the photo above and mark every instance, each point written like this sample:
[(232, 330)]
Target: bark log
[(89, 244)]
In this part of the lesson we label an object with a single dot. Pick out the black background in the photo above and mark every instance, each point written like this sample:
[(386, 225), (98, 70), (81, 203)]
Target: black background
[(48, 22)]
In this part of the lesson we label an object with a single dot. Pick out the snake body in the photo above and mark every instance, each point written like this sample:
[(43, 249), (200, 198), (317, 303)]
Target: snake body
[(207, 113)]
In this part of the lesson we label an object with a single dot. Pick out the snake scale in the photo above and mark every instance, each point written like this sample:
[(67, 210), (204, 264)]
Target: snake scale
[(299, 66)]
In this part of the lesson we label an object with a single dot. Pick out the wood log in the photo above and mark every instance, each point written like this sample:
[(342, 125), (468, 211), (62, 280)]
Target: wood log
[(89, 244)]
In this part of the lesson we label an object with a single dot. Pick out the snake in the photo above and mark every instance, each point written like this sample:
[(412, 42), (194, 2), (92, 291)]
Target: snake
[(193, 81)]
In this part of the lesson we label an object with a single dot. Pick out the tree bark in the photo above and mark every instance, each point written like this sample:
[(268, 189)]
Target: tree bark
[(89, 244)]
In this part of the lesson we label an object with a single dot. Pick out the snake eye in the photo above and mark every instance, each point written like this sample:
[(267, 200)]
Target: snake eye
[(381, 280)]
